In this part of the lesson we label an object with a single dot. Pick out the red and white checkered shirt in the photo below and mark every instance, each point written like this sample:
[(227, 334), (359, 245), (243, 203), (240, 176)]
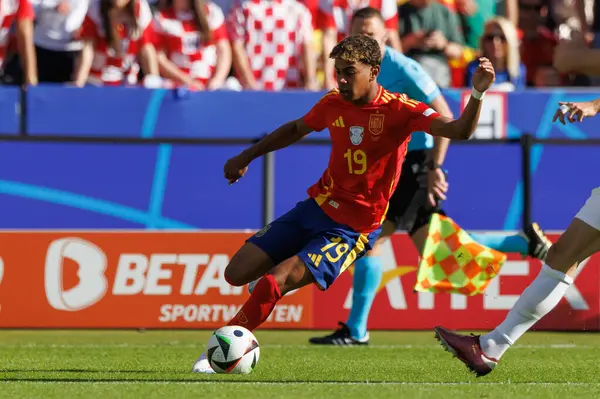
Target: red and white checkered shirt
[(108, 68), (9, 11), (337, 14), (273, 32), (177, 34)]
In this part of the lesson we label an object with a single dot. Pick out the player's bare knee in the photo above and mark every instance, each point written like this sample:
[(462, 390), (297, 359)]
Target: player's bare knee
[(234, 274), (248, 264), (291, 275)]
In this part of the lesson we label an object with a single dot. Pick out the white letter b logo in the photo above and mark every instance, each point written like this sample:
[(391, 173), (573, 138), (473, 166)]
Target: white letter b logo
[(91, 264)]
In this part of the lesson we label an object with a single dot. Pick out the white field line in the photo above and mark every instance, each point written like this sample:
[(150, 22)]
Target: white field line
[(176, 344)]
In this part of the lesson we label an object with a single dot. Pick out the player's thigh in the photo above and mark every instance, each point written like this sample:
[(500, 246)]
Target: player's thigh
[(590, 212), (388, 228), (276, 242), (573, 248), (330, 252), (581, 239), (578, 242), (249, 263), (593, 248)]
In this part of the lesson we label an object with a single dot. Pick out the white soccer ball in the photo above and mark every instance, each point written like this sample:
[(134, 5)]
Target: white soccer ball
[(233, 350)]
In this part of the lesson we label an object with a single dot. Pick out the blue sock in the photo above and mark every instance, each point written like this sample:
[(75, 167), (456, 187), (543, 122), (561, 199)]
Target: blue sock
[(503, 243), (367, 276)]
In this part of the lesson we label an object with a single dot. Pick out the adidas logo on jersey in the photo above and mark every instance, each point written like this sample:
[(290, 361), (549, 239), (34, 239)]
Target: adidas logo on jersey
[(339, 122), (316, 259)]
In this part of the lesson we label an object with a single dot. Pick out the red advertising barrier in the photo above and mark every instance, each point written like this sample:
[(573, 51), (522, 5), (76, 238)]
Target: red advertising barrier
[(397, 307), (127, 280), (175, 280)]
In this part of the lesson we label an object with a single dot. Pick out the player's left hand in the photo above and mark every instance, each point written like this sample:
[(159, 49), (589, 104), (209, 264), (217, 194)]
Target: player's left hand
[(235, 168), (574, 112), (437, 186), (484, 75)]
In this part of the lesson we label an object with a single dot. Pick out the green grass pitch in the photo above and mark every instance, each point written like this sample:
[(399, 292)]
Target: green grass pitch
[(124, 364)]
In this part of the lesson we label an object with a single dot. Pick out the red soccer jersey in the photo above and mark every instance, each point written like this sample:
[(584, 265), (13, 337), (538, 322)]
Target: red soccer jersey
[(108, 68), (368, 148), (177, 35), (274, 33)]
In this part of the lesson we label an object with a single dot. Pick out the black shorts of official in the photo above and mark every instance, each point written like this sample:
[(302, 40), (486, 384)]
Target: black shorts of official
[(52, 66), (409, 207)]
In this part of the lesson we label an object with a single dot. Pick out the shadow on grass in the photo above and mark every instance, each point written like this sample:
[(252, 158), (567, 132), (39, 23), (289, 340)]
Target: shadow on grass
[(166, 381), (21, 370)]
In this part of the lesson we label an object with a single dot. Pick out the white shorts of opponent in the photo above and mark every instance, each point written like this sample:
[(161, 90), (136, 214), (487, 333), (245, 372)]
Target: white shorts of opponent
[(590, 213)]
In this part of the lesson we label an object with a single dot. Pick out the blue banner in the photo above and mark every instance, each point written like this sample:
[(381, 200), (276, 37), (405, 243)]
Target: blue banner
[(100, 186), (9, 110)]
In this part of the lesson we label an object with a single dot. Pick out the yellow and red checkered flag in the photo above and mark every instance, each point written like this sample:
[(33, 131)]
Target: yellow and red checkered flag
[(453, 262)]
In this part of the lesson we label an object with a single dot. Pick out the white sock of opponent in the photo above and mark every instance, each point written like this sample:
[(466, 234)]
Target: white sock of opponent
[(542, 295)]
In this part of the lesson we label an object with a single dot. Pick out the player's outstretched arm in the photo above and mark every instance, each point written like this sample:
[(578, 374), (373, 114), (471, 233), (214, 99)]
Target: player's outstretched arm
[(575, 112), (285, 135), (464, 127)]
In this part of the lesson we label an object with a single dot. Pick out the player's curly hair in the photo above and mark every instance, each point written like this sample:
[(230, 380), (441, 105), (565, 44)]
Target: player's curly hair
[(359, 48)]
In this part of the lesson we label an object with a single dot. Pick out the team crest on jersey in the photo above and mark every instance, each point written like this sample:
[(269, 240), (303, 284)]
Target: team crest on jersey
[(263, 231), (376, 124), (356, 134)]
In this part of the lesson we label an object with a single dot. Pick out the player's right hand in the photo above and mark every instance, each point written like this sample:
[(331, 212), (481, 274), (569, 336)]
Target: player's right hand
[(235, 168), (574, 112)]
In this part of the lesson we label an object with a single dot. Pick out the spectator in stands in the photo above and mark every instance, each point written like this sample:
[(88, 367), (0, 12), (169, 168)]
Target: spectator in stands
[(115, 34), (578, 15), (473, 15), (500, 45), (568, 15), (313, 7), (334, 20), (56, 45), (574, 56), (192, 44), (508, 9), (12, 70), (538, 42), (547, 76), (431, 35), (271, 45)]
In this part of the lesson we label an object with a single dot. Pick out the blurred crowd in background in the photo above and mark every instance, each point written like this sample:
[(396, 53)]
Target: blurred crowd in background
[(283, 44)]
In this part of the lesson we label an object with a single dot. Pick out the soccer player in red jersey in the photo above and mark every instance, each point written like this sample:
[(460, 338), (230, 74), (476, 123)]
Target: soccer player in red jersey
[(339, 222)]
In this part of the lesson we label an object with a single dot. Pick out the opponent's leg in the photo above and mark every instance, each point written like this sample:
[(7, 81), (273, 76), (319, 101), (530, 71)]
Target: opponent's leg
[(579, 241), (543, 294)]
